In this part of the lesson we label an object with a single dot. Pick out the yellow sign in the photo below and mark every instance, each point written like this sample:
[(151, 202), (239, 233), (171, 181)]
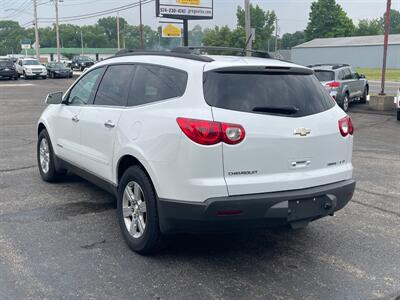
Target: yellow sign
[(188, 2), (171, 30)]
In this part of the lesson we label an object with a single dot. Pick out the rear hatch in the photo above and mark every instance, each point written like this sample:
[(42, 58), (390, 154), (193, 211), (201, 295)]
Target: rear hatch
[(327, 79), (292, 135)]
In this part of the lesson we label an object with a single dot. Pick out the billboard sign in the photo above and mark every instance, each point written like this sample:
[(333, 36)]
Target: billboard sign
[(170, 30), (185, 9)]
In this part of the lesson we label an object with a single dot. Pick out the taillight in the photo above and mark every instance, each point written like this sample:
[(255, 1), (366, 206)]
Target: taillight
[(232, 134), (346, 126), (210, 132), (333, 84)]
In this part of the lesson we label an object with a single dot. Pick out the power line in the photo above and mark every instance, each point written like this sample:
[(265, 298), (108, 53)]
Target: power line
[(96, 14)]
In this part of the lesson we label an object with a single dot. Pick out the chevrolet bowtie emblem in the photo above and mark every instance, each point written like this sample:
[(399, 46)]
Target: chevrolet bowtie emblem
[(302, 131)]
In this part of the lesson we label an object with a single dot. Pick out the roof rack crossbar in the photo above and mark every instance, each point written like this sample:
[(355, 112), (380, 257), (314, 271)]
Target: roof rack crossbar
[(126, 52), (242, 52)]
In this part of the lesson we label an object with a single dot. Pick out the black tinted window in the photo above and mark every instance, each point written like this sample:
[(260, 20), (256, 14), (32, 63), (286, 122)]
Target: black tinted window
[(294, 95), (114, 86), (83, 90), (323, 75), (154, 83)]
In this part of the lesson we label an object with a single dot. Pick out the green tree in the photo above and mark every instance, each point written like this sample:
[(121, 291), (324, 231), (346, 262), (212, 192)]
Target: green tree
[(394, 21), (218, 36), (328, 19), (262, 21), (10, 35), (369, 27), (289, 40)]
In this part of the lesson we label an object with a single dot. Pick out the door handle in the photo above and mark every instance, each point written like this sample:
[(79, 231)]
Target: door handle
[(109, 124), (75, 119)]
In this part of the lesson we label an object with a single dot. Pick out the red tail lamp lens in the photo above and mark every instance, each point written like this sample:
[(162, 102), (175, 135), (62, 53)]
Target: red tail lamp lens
[(346, 126), (210, 132), (334, 84)]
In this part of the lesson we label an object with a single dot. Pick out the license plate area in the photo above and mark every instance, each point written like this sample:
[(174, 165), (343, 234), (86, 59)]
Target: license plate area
[(309, 208)]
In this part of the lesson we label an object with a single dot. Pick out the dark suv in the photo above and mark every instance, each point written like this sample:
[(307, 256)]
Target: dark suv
[(343, 83), (7, 69), (81, 62)]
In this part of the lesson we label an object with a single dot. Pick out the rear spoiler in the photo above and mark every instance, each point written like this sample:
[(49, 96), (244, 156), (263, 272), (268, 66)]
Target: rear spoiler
[(264, 69)]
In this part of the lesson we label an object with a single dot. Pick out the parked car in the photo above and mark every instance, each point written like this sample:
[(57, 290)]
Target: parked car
[(58, 70), (196, 143), (81, 62), (398, 105), (7, 69), (30, 68), (343, 83)]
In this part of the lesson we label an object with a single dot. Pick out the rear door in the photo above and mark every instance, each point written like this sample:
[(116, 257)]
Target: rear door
[(292, 137), (99, 122), (358, 84)]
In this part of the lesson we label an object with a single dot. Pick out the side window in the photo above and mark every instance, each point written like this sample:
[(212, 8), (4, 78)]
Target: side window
[(347, 74), (114, 86), (354, 74), (81, 92), (155, 83)]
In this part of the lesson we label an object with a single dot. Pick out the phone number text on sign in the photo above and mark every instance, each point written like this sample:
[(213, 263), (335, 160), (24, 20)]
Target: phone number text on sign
[(186, 11)]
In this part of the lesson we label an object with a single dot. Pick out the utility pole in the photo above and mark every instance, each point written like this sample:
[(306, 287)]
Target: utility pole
[(276, 36), (119, 48), (57, 31), (37, 44), (141, 26), (385, 45), (247, 18), (81, 42)]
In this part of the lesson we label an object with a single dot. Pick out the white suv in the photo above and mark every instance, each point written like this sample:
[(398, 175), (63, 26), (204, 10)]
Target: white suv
[(30, 68), (197, 143)]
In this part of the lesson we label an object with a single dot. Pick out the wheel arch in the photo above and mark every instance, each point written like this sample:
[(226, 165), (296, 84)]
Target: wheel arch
[(41, 127), (129, 160)]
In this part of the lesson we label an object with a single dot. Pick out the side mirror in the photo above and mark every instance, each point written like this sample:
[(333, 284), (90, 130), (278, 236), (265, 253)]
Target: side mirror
[(54, 98), (362, 76)]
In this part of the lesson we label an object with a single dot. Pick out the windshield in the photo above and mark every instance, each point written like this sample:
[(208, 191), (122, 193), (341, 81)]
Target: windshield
[(291, 94), (84, 58), (58, 65), (6, 63), (30, 62), (323, 75)]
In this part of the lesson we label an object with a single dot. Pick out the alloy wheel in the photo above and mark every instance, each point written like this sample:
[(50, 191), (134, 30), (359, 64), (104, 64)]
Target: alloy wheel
[(44, 156), (134, 209)]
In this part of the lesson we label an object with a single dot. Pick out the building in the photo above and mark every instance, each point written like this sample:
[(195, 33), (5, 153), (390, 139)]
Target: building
[(358, 51), (50, 54)]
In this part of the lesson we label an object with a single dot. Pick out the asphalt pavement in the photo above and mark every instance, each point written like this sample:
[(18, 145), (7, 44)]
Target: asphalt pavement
[(62, 241)]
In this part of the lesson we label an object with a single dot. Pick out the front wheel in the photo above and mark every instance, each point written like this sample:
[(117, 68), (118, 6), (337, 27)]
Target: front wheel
[(45, 159), (363, 99), (137, 211), (398, 115)]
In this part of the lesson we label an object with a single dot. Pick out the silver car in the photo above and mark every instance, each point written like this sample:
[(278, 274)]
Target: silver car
[(344, 84)]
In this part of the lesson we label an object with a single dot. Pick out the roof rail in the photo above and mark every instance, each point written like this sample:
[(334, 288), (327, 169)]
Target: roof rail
[(126, 52), (240, 51), (334, 66)]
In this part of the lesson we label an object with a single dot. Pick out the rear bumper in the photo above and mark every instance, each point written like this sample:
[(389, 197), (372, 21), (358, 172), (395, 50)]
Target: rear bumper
[(8, 74), (255, 211)]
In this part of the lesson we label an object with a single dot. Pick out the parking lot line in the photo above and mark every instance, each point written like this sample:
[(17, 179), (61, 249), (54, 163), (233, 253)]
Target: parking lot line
[(16, 84)]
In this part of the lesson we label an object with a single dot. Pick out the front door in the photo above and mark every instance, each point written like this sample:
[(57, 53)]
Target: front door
[(67, 122)]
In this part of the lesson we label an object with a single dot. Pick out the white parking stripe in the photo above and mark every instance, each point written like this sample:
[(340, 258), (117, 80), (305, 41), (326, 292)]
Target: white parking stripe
[(16, 84)]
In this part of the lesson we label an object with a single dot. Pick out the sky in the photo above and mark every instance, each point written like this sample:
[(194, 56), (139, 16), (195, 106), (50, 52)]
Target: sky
[(292, 14)]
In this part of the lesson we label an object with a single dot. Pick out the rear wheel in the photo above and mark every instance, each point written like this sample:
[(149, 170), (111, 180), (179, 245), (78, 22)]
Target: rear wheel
[(346, 103), (398, 115), (137, 211), (45, 159), (363, 99)]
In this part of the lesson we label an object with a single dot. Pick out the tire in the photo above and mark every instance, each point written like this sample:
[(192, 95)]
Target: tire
[(16, 78), (346, 103), (148, 240), (82, 69), (49, 174), (44, 77), (398, 114), (363, 99), (25, 77)]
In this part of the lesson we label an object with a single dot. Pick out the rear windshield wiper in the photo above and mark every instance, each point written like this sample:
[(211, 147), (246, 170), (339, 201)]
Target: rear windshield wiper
[(282, 110)]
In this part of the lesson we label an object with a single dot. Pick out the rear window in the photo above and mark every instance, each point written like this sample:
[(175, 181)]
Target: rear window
[(290, 94), (325, 75)]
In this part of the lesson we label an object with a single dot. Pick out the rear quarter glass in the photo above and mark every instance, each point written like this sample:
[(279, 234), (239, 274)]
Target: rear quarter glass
[(246, 90)]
